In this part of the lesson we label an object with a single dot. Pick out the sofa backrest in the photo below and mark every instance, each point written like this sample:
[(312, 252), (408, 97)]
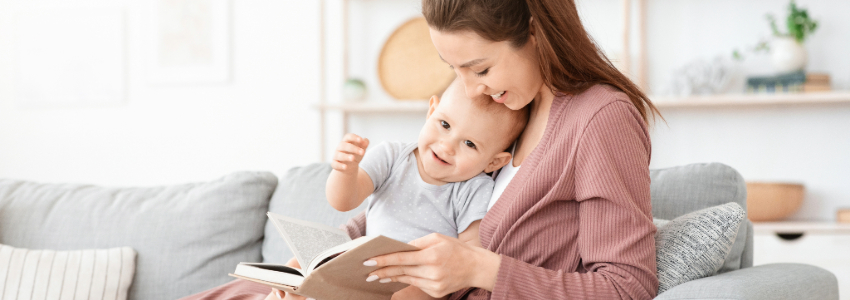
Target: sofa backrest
[(683, 189), (188, 237)]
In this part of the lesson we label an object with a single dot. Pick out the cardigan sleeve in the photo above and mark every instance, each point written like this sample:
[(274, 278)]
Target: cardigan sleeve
[(616, 237), (356, 226)]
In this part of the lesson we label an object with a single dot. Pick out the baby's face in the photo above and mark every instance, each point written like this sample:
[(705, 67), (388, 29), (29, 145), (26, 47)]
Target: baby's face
[(459, 141)]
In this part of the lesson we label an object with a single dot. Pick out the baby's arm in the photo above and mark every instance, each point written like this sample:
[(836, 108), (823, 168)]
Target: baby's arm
[(470, 235), (348, 185)]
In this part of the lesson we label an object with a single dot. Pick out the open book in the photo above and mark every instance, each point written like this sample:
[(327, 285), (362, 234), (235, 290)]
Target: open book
[(334, 263)]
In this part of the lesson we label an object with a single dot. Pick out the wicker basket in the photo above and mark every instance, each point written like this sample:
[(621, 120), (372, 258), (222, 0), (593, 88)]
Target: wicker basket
[(409, 66), (773, 201)]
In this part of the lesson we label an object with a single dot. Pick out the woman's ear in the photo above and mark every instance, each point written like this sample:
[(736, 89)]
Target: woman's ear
[(500, 160), (432, 105)]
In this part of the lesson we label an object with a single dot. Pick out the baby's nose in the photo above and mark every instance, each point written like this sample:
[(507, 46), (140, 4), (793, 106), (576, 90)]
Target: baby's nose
[(447, 147)]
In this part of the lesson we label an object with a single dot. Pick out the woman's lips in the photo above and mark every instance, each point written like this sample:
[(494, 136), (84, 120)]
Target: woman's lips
[(440, 160), (501, 98)]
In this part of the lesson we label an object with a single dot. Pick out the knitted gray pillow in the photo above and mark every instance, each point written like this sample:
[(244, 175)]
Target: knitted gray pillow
[(695, 245)]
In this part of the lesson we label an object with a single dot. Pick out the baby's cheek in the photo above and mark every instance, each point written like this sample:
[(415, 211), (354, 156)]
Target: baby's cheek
[(471, 166)]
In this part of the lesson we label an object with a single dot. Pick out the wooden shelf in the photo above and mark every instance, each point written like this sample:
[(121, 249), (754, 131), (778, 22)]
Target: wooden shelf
[(400, 106), (732, 100), (739, 100), (794, 227)]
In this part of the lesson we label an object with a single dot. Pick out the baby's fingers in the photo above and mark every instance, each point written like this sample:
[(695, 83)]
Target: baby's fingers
[(350, 148), (339, 166), (356, 140), (346, 158)]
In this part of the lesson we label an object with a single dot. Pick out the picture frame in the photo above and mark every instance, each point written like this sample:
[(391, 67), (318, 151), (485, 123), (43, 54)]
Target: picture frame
[(187, 42)]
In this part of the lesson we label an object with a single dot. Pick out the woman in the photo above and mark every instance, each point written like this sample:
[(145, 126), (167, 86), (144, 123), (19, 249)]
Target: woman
[(575, 219)]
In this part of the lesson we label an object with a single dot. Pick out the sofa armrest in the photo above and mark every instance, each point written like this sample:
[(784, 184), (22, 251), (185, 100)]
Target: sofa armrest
[(772, 281)]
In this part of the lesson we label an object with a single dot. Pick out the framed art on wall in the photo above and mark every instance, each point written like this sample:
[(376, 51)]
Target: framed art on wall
[(187, 42)]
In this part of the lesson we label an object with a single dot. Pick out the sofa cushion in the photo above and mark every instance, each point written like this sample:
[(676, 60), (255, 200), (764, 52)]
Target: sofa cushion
[(683, 189), (301, 194), (696, 244), (94, 274), (188, 236)]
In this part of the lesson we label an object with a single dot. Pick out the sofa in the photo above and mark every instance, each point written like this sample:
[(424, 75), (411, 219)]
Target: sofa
[(188, 237)]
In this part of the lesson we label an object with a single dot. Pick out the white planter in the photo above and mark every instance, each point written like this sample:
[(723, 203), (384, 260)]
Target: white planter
[(787, 55)]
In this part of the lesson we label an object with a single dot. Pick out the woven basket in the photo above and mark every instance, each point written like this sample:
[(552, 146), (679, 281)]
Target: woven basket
[(409, 66), (773, 201)]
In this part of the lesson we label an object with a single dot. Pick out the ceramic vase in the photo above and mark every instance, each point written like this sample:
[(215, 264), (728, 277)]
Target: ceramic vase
[(354, 90), (787, 55)]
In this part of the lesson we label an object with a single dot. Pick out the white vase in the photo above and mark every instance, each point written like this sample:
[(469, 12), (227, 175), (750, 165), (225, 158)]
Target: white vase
[(787, 55)]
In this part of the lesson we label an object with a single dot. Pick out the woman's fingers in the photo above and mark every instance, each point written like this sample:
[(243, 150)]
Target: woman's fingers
[(414, 257), (428, 241), (425, 272)]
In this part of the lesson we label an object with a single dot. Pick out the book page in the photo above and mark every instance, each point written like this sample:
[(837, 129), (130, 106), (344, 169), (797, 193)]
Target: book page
[(307, 239)]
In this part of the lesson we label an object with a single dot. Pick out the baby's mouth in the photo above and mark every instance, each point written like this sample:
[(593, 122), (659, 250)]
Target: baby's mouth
[(438, 158)]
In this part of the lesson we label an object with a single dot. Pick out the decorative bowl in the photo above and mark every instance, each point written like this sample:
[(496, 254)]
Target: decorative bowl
[(773, 201)]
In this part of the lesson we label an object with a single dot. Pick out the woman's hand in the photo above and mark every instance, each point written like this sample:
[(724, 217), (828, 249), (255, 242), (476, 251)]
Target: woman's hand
[(278, 294), (444, 265)]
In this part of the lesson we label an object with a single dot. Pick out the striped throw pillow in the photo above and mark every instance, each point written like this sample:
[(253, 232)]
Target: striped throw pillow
[(81, 274), (696, 244)]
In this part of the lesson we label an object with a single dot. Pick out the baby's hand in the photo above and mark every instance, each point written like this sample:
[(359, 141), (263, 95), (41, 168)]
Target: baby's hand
[(349, 153)]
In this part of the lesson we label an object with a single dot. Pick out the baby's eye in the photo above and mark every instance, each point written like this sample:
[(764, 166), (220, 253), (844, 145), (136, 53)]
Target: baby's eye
[(482, 73), (445, 124), (469, 144)]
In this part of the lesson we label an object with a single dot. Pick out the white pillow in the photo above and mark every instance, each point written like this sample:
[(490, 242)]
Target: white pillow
[(81, 274), (696, 244)]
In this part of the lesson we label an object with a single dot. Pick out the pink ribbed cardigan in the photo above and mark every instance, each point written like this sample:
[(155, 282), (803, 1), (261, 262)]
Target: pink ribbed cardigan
[(576, 220)]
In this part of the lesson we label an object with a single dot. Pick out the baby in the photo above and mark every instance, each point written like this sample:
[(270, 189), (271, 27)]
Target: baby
[(436, 185)]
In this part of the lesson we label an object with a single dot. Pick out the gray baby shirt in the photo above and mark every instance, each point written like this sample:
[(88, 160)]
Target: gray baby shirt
[(404, 207)]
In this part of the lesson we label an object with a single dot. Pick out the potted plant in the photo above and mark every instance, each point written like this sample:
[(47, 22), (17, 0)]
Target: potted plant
[(788, 54)]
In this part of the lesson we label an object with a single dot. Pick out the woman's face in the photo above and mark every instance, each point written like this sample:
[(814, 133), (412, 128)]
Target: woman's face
[(509, 75)]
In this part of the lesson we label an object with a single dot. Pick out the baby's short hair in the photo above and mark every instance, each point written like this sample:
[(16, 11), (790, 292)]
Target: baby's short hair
[(519, 118)]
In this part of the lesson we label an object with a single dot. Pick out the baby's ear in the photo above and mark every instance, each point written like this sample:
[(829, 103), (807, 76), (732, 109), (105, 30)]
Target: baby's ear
[(500, 160), (432, 105)]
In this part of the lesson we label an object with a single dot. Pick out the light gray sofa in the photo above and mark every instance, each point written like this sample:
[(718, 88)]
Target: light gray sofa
[(188, 237)]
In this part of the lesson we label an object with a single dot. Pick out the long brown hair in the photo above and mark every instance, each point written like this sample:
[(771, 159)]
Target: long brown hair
[(569, 60)]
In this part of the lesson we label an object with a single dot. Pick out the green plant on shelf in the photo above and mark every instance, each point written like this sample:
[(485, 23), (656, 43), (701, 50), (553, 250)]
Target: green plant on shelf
[(798, 23)]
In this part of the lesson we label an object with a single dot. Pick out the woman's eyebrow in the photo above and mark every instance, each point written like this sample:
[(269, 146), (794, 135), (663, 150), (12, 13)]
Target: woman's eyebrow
[(467, 64)]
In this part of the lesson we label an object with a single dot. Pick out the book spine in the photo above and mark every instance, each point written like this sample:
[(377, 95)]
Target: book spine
[(784, 79)]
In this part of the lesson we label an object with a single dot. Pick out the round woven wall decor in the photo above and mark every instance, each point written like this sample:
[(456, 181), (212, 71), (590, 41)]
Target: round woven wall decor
[(409, 66)]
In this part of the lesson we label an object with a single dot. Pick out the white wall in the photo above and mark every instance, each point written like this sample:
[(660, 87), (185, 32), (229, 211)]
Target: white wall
[(260, 120)]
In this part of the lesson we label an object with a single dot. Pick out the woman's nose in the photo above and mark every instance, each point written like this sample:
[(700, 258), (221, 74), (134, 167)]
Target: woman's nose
[(473, 87)]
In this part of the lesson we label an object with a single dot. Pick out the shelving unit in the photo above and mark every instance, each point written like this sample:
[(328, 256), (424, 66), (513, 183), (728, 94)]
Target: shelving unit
[(821, 244), (637, 66)]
